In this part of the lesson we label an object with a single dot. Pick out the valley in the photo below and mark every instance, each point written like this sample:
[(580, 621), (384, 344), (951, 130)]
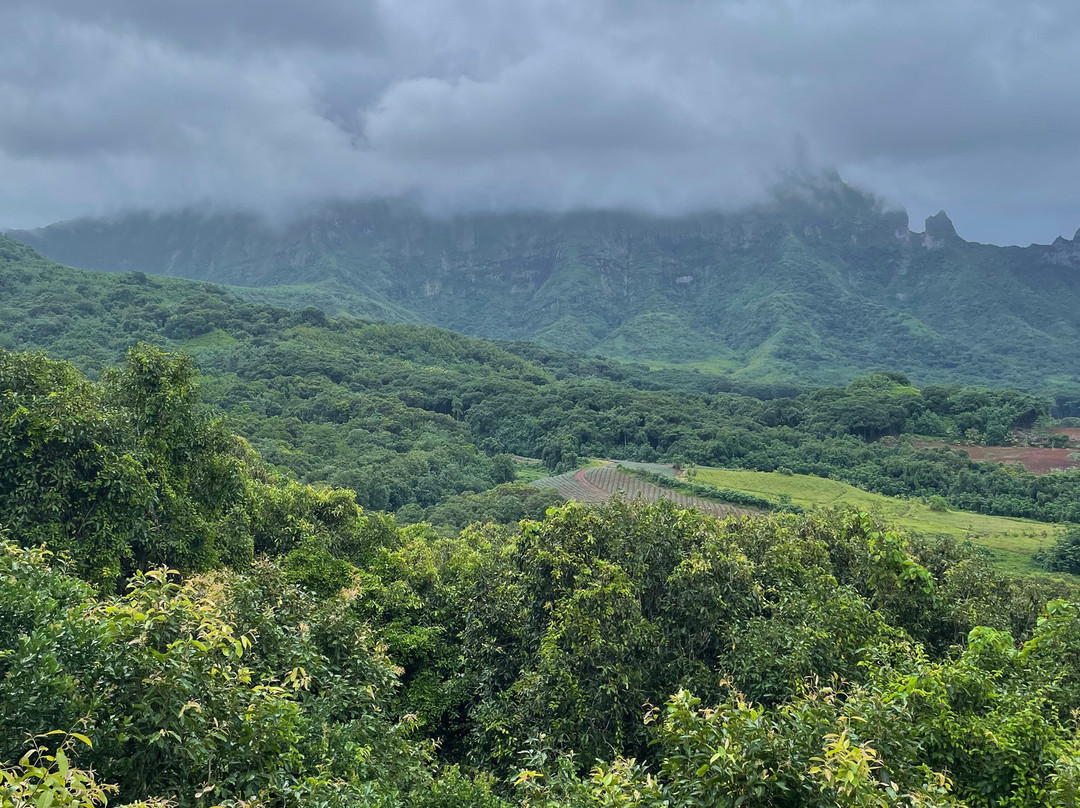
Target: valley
[(539, 404), (206, 495)]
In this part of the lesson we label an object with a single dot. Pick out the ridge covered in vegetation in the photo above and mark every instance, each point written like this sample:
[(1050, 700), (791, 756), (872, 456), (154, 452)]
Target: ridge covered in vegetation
[(821, 284), (205, 605)]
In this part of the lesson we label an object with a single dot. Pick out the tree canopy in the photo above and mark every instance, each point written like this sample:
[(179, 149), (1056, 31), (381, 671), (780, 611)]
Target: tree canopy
[(180, 624)]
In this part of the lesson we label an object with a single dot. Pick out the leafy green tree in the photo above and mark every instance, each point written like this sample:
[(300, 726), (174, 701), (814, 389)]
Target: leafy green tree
[(503, 469), (68, 477), (1063, 555), (219, 686)]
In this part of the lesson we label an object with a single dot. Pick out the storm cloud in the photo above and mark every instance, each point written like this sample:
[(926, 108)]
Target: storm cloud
[(664, 107)]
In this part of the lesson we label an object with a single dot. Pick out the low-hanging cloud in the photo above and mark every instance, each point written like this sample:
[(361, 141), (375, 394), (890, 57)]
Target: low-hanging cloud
[(662, 106)]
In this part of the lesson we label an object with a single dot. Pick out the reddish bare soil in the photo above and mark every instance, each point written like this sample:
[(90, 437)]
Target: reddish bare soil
[(1072, 432), (1034, 459)]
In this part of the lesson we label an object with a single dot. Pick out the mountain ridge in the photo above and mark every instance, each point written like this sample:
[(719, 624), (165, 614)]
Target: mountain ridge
[(821, 283)]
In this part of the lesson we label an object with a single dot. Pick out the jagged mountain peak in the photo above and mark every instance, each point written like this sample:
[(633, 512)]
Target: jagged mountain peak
[(818, 284), (940, 226)]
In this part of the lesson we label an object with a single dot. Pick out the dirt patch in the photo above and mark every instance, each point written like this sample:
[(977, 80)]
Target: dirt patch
[(1033, 458)]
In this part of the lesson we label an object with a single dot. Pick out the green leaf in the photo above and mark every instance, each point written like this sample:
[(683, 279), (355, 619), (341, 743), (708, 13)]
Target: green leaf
[(82, 739)]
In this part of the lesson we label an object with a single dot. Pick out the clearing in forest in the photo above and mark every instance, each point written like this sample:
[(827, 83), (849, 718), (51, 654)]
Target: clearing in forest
[(599, 484), (1013, 541), (1034, 458)]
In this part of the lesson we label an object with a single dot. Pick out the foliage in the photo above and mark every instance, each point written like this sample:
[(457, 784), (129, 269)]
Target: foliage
[(576, 621), (1063, 555), (406, 415), (819, 283), (218, 686), (504, 504), (133, 472), (825, 644)]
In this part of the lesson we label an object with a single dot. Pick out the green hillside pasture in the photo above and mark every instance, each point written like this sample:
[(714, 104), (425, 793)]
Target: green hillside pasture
[(1011, 541), (529, 469), (598, 484)]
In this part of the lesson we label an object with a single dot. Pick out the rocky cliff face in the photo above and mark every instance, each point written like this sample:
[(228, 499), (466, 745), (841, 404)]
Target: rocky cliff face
[(820, 283)]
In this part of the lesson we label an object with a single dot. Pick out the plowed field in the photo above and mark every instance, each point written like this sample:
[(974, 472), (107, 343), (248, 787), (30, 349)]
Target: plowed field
[(598, 485), (1033, 458), (1039, 461)]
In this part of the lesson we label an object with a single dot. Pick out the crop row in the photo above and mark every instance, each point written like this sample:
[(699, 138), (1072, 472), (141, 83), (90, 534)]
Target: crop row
[(598, 485)]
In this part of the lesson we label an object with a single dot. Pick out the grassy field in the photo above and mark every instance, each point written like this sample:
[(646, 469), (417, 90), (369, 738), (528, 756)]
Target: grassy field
[(1012, 541)]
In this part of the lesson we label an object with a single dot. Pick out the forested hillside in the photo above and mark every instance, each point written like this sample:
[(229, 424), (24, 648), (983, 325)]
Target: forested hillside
[(820, 285), (406, 416), (508, 405)]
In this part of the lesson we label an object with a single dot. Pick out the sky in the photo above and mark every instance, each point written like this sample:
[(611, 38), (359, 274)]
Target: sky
[(663, 106)]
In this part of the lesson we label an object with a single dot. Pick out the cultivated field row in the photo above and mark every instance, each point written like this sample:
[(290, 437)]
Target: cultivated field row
[(598, 485)]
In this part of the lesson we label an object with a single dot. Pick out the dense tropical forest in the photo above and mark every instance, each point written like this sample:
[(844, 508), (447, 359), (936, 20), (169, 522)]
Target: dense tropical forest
[(254, 556), (181, 623)]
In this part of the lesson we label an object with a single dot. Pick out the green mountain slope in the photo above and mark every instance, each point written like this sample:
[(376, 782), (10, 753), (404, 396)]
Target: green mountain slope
[(409, 415), (820, 284)]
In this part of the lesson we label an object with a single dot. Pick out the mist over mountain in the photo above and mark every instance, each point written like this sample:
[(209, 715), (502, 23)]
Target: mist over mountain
[(659, 107), (820, 283)]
